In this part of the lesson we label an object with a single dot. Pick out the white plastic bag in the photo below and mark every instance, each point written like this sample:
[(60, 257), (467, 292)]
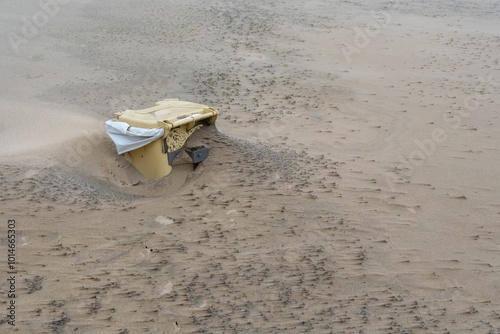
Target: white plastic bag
[(128, 138)]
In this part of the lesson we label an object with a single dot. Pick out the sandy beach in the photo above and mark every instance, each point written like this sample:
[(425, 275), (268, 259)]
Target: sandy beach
[(352, 183)]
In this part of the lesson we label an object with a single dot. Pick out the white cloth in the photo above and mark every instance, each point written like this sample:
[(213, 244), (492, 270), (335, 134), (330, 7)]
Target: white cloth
[(128, 138)]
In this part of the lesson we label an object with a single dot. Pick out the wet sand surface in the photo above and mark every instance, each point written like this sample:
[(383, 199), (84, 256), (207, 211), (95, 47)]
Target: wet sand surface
[(351, 185)]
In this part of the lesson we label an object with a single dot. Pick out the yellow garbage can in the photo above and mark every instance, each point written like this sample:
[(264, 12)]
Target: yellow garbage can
[(151, 138)]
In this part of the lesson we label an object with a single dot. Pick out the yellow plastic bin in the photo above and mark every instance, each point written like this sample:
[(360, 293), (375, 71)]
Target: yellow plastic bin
[(151, 138)]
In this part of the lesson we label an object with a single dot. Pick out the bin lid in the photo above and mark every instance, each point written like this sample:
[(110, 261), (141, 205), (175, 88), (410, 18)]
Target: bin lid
[(167, 111)]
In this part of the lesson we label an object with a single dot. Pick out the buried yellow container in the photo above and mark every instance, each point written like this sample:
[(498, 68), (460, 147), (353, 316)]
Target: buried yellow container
[(151, 138)]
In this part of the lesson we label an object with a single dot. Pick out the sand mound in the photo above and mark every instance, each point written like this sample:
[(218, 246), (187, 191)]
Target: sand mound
[(86, 169), (27, 127)]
